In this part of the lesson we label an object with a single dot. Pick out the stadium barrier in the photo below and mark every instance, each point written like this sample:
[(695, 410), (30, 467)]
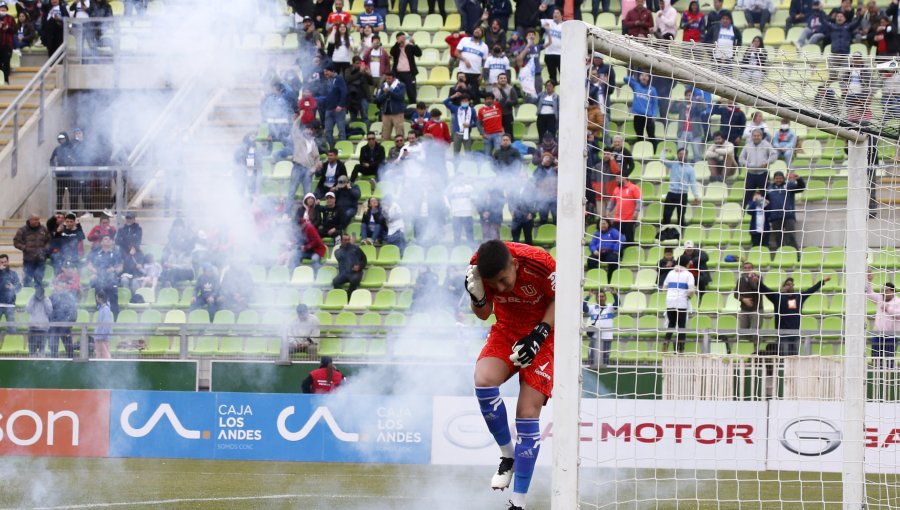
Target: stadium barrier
[(797, 435), (171, 375)]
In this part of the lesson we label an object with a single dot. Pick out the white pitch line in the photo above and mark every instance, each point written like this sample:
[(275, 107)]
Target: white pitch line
[(198, 500)]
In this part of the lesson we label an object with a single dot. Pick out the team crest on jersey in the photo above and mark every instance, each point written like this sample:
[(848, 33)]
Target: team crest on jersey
[(528, 290)]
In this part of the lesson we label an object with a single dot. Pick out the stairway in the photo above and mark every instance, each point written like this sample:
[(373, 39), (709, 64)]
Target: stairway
[(8, 93)]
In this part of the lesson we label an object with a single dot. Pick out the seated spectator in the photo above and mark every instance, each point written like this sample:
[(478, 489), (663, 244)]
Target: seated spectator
[(101, 229), (785, 142), (757, 123), (310, 210), (644, 108), (205, 291), (371, 158), (437, 128), (799, 12), (605, 246), (132, 269), (334, 221), (332, 170), (759, 12), (303, 332), (412, 149), (131, 234), (373, 225), (235, 288), (425, 297), (816, 29), (347, 196), (308, 245), (394, 153), (26, 34), (393, 217), (152, 272), (753, 63), (665, 265), (351, 264), (506, 157), (464, 119), (720, 158)]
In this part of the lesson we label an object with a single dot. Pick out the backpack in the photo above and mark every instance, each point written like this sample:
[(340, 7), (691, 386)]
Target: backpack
[(669, 234)]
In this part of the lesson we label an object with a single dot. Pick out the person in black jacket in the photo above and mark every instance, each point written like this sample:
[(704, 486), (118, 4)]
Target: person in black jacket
[(351, 263), (346, 197), (695, 261), (405, 69), (333, 219), (131, 235), (329, 174), (521, 204), (788, 304), (371, 157), (52, 26), (359, 90), (373, 224), (65, 309)]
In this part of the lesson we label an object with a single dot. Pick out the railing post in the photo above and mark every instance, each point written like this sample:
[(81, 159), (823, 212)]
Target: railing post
[(182, 342), (51, 191), (15, 142), (705, 343), (41, 111), (284, 355), (120, 191), (85, 345)]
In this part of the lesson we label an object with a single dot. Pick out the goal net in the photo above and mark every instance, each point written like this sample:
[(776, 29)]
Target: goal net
[(726, 252)]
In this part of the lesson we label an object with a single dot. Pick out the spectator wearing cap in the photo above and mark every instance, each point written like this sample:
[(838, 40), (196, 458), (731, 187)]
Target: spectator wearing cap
[(62, 156), (370, 18), (7, 40), (695, 260), (490, 124), (329, 173), (377, 59), (371, 158), (780, 211), (347, 196), (324, 379), (67, 243), (303, 332), (131, 234), (464, 119), (333, 219), (816, 22), (547, 103), (305, 159), (390, 99), (99, 231), (404, 53), (472, 52), (311, 40), (351, 264), (106, 266), (335, 104)]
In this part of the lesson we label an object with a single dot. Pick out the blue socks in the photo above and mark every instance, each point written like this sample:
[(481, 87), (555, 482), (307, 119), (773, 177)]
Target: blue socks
[(494, 411), (527, 447)]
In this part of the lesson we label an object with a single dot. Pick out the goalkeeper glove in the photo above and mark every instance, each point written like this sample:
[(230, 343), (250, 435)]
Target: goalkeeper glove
[(475, 287), (527, 347)]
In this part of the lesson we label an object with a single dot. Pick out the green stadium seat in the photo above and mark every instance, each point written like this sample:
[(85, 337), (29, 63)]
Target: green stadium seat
[(336, 299), (225, 317), (257, 273), (652, 213), (527, 114), (354, 347), (433, 23), (311, 297), (248, 317), (325, 276), (715, 192), (643, 151), (546, 235), (370, 319), (24, 296), (303, 275), (438, 77), (452, 23), (127, 317), (633, 303), (177, 317), (377, 348), (158, 345), (438, 255), (622, 279), (399, 277), (395, 319), (345, 319), (198, 316), (203, 346), (413, 255), (384, 300), (187, 297), (460, 255), (231, 346), (656, 303), (14, 345), (374, 277), (256, 346), (360, 300), (834, 259), (595, 279), (404, 300), (815, 305), (645, 280)]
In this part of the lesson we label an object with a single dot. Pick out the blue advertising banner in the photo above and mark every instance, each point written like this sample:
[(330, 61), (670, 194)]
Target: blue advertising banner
[(249, 426)]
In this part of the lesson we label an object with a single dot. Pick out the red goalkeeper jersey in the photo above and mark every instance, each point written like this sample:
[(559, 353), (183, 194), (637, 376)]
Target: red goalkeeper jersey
[(524, 307)]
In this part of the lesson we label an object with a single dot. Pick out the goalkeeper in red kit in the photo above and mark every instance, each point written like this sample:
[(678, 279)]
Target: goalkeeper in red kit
[(517, 283)]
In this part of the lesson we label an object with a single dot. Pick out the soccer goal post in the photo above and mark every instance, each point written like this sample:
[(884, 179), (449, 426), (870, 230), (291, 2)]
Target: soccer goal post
[(753, 388)]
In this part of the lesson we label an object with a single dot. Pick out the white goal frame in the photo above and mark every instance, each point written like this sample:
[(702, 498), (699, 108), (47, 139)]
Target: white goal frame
[(577, 38)]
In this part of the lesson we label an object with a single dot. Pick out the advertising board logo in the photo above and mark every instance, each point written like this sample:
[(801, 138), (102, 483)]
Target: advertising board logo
[(54, 422), (466, 430), (164, 409), (810, 436), (321, 413)]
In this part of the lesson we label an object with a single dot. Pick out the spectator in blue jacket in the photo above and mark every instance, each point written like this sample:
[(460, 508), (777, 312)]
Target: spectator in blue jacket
[(816, 26), (644, 107), (780, 210), (335, 105), (605, 247), (464, 119), (842, 35), (391, 98), (799, 12), (785, 141), (681, 179)]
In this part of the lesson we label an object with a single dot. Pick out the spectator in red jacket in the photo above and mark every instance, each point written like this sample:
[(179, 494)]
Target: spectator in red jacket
[(100, 230), (324, 379), (624, 207), (453, 40), (437, 128), (309, 245), (307, 106), (490, 123), (7, 40), (639, 21)]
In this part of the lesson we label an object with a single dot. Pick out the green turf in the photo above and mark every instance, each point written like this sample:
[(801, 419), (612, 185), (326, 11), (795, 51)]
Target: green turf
[(64, 483)]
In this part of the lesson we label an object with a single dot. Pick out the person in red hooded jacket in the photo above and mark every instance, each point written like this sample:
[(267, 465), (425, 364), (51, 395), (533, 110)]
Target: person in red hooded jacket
[(438, 128), (309, 245), (7, 40), (324, 379)]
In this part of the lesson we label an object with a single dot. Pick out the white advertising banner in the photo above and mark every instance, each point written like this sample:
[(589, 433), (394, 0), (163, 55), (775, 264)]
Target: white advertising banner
[(621, 433), (808, 436)]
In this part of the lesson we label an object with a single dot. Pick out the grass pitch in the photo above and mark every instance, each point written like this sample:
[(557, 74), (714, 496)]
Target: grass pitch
[(66, 483)]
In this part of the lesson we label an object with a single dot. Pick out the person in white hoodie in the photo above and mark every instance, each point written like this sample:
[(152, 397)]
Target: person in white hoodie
[(667, 21), (887, 321), (679, 285)]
